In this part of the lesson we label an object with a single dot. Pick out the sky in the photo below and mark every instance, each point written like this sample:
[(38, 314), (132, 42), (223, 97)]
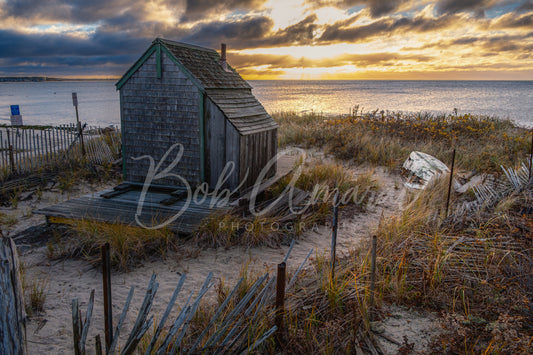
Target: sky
[(276, 39)]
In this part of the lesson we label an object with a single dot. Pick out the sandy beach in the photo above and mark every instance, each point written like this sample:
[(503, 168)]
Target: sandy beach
[(63, 280)]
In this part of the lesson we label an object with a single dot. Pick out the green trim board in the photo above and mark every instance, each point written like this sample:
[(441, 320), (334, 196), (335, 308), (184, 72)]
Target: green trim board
[(202, 136), (122, 138), (184, 70), (135, 66), (158, 61)]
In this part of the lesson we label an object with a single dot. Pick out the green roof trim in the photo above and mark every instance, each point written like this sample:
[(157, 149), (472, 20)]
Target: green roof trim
[(135, 66), (202, 137), (184, 70), (158, 61)]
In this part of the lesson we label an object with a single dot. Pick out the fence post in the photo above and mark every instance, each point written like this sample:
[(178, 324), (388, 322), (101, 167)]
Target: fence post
[(108, 304), (450, 185), (373, 276), (280, 301), (334, 233), (80, 131), (530, 156), (10, 152)]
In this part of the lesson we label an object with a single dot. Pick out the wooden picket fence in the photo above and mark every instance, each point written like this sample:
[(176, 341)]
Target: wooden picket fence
[(30, 149)]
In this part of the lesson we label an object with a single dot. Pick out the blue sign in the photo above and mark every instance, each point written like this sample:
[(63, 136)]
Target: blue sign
[(15, 110)]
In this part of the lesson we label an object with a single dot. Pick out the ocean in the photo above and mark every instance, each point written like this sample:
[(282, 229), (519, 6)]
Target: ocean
[(50, 103)]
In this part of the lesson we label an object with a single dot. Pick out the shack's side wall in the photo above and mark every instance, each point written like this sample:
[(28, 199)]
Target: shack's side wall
[(256, 150), (233, 149), (221, 146), (157, 113)]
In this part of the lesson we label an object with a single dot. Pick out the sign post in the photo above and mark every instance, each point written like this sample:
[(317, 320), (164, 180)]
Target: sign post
[(16, 117), (80, 131)]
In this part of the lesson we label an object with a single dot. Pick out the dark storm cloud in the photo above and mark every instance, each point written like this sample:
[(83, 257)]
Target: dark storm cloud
[(385, 27), (241, 32), (455, 6), (252, 33), (513, 20), (14, 44), (495, 44), (70, 61), (196, 9), (73, 11), (376, 8), (286, 61), (526, 6)]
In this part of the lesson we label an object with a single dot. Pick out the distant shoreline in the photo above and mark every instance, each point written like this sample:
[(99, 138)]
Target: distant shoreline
[(15, 79), (37, 79)]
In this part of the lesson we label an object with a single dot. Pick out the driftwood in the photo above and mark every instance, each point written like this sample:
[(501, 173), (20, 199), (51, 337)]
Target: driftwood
[(12, 313)]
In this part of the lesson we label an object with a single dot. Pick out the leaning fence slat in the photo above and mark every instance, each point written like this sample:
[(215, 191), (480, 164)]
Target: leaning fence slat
[(237, 310), (130, 347), (295, 276), (260, 341), (205, 287), (228, 337), (175, 327), (120, 322), (165, 315), (217, 314), (289, 251), (145, 308), (87, 322)]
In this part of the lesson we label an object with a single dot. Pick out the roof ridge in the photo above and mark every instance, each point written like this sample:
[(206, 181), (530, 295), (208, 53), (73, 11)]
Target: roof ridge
[(183, 44)]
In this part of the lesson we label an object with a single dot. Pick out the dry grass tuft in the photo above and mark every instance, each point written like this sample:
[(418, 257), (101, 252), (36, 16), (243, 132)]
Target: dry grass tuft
[(386, 138), (128, 245)]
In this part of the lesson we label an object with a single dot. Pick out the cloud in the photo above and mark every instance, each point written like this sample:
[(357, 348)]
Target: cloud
[(376, 8), (512, 20), (14, 44), (237, 33), (73, 11), (456, 6), (525, 6), (252, 32), (386, 27), (197, 9), (286, 61)]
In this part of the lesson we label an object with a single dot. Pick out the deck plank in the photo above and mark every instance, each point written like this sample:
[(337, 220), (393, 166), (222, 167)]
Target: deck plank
[(122, 209)]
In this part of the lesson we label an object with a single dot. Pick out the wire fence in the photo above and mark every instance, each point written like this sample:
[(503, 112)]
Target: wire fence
[(33, 148)]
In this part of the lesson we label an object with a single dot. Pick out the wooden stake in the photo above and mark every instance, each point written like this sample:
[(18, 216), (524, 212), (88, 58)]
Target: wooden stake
[(76, 326), (108, 304), (373, 276), (334, 233), (80, 131), (280, 301), (530, 156), (450, 185), (98, 345)]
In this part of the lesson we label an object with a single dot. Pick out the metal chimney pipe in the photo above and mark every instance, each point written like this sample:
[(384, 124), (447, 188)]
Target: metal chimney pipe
[(223, 52)]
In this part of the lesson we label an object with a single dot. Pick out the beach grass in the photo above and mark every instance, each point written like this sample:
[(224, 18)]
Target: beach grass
[(386, 138), (128, 245)]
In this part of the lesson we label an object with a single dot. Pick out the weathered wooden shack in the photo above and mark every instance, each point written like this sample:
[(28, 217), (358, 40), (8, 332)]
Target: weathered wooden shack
[(180, 93)]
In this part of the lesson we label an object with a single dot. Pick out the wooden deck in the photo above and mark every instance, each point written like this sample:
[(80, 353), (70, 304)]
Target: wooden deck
[(121, 208), (119, 205)]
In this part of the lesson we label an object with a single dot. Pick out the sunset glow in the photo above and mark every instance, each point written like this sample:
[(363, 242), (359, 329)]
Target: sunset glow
[(276, 39)]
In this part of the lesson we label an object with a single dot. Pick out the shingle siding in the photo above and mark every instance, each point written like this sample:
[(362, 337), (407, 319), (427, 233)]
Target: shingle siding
[(158, 113)]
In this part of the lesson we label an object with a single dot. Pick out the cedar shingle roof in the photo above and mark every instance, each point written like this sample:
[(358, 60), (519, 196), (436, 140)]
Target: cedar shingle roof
[(231, 93), (243, 110), (203, 63)]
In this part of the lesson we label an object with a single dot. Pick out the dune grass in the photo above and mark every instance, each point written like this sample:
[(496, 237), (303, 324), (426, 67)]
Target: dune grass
[(128, 245), (319, 179), (386, 138)]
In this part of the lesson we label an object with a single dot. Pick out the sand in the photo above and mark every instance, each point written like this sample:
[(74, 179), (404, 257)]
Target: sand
[(50, 332)]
